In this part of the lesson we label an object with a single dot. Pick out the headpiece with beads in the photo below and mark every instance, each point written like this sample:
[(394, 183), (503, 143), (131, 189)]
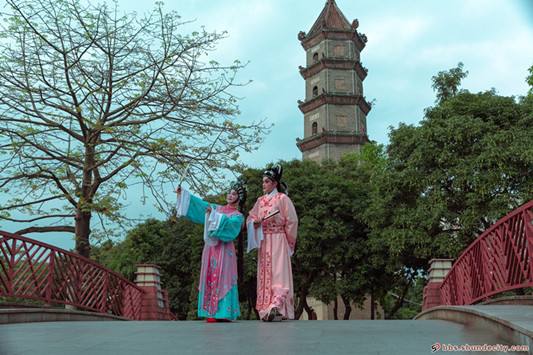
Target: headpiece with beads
[(241, 187)]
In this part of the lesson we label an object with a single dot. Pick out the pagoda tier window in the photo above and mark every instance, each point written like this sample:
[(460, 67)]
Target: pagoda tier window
[(339, 51), (340, 84)]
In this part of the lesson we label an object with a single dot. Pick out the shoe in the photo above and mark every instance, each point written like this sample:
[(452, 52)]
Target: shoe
[(278, 317), (210, 320), (272, 314), (224, 320)]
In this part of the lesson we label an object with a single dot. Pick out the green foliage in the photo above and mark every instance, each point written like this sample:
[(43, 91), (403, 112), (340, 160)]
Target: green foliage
[(467, 165), (372, 157), (529, 80), (446, 83), (447, 180)]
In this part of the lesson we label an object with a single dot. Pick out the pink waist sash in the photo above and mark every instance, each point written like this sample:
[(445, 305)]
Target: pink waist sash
[(273, 229)]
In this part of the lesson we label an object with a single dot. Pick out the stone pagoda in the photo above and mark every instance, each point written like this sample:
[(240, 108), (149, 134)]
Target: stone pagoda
[(335, 109)]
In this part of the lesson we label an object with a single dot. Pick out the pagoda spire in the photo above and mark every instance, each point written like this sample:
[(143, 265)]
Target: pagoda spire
[(331, 17)]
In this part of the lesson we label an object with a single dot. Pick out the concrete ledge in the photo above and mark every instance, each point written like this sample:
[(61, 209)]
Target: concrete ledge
[(29, 315), (526, 300), (513, 323)]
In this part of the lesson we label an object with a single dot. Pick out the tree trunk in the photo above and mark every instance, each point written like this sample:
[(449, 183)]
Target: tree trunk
[(399, 302), (303, 292), (372, 306), (348, 307), (84, 206), (250, 308), (397, 306), (335, 308), (308, 309), (302, 304), (83, 230)]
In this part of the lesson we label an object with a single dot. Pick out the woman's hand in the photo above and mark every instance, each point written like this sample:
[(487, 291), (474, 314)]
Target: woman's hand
[(208, 209), (257, 223), (178, 191)]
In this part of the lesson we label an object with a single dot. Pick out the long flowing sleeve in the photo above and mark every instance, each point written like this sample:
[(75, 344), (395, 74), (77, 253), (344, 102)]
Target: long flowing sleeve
[(217, 225), (228, 227), (191, 207)]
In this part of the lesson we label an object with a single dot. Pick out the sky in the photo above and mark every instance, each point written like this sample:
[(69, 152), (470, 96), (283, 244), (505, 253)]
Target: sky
[(408, 43)]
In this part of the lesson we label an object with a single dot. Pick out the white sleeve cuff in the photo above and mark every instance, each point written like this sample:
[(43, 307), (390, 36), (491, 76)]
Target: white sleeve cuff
[(255, 236), (182, 203), (212, 222)]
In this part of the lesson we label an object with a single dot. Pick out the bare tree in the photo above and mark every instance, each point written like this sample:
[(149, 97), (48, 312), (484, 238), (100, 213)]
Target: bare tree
[(93, 100)]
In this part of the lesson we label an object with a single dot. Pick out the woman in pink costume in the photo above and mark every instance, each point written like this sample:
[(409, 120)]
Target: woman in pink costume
[(272, 226)]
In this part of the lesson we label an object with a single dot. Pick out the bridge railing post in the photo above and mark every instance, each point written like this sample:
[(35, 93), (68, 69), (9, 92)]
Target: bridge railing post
[(438, 269), (153, 301)]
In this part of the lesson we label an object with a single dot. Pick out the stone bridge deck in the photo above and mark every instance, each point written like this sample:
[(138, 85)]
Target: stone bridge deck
[(456, 326)]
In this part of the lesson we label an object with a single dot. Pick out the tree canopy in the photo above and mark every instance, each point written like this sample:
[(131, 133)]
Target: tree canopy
[(450, 178), (529, 80), (447, 83), (93, 100)]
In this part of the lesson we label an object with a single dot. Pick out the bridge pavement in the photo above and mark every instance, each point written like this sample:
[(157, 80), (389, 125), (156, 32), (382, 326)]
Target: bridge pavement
[(254, 337)]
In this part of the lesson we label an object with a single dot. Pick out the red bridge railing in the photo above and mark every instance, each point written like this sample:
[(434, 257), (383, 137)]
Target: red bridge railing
[(499, 260), (39, 271)]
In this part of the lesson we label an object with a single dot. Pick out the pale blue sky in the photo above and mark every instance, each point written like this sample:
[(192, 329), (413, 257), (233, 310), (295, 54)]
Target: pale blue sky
[(408, 43)]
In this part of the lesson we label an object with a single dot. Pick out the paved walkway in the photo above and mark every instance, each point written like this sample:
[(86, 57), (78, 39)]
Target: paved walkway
[(240, 337)]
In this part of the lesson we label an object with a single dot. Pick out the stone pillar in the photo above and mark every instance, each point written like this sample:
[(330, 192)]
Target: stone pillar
[(153, 301), (438, 269)]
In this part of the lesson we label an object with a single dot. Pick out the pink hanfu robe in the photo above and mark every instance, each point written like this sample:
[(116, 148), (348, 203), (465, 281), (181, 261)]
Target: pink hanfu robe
[(218, 294), (276, 238)]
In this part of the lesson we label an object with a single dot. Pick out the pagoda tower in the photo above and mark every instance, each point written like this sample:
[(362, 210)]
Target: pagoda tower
[(335, 109)]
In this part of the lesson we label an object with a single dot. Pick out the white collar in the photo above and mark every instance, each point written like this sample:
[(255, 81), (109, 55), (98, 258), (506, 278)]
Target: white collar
[(273, 192)]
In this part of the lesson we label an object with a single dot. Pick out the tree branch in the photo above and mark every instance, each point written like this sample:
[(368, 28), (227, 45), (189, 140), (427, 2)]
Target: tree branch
[(69, 229)]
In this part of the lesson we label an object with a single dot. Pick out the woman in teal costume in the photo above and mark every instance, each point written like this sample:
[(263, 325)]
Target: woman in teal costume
[(218, 298)]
